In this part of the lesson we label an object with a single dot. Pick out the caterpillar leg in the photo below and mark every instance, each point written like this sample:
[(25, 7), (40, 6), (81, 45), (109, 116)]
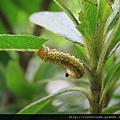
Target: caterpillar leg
[(66, 75), (70, 73)]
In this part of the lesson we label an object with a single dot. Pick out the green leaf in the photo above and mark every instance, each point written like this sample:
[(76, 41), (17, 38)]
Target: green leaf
[(110, 44), (58, 23), (111, 73), (93, 17), (87, 27), (110, 110), (110, 25), (10, 7), (2, 76), (115, 42), (20, 42), (109, 63), (111, 21), (110, 83), (41, 72), (4, 57), (104, 11), (114, 49), (38, 105), (17, 83), (69, 13), (88, 19), (2, 27), (30, 6)]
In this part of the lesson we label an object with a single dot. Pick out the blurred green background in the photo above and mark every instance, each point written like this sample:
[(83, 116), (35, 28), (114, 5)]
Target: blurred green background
[(24, 77)]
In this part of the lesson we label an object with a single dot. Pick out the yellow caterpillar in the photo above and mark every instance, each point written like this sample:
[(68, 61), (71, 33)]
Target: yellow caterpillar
[(74, 67)]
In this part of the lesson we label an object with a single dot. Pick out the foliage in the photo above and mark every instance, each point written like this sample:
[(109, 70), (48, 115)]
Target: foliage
[(95, 34)]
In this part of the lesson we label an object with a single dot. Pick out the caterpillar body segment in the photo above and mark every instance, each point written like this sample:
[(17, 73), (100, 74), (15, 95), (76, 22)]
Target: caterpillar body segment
[(74, 67)]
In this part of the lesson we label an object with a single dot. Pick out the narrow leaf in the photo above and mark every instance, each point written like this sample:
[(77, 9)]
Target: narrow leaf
[(110, 110), (114, 49), (20, 42), (38, 105), (110, 85), (111, 21), (111, 73), (114, 37), (17, 83), (112, 41), (59, 23)]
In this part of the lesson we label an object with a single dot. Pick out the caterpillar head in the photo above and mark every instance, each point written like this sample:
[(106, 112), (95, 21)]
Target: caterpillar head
[(42, 51)]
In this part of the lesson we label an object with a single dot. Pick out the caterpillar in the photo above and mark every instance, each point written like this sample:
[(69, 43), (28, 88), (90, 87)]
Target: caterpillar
[(74, 67)]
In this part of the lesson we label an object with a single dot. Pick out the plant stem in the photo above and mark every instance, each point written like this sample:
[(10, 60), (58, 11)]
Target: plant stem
[(69, 13), (95, 88), (96, 83)]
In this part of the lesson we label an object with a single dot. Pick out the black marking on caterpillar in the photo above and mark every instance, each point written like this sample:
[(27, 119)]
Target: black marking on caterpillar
[(66, 75), (74, 67)]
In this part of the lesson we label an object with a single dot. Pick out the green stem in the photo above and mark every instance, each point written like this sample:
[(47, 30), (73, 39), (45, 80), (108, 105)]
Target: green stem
[(96, 93), (94, 78), (69, 13), (45, 100), (95, 88), (104, 54)]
